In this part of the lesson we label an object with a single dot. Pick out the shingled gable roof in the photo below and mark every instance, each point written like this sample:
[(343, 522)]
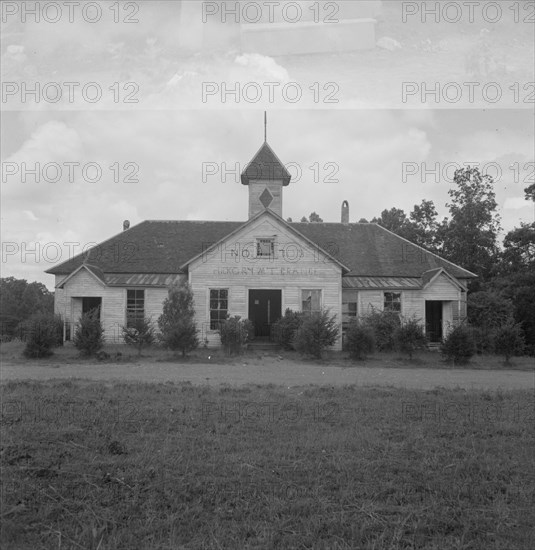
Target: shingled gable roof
[(268, 212), (162, 247), (266, 165)]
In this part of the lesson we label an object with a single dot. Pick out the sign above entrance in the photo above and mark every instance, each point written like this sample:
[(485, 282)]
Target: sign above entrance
[(271, 271)]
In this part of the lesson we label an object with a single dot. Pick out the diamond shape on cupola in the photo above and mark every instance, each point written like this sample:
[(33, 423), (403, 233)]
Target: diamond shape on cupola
[(266, 198)]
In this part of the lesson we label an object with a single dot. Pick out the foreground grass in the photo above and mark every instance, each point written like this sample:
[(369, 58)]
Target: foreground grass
[(176, 466)]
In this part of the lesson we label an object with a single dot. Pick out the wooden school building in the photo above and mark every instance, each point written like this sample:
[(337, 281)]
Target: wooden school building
[(259, 267)]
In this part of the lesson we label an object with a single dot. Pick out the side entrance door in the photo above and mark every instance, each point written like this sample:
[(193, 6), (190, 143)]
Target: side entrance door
[(433, 320), (264, 310)]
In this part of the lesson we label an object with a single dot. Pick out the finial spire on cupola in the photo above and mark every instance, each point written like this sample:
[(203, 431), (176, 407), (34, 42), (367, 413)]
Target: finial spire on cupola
[(265, 176)]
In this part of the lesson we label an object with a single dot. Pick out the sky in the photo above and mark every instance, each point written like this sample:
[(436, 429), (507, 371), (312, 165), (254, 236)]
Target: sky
[(173, 156)]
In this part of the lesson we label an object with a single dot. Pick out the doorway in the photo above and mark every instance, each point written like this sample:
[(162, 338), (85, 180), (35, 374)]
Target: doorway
[(90, 304), (264, 310), (433, 320)]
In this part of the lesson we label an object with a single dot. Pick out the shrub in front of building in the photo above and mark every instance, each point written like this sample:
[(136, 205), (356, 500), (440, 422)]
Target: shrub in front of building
[(42, 333), (139, 333), (359, 340), (509, 341), (409, 337), (318, 332), (235, 333), (384, 325), (89, 334), (177, 322), (285, 329), (459, 346)]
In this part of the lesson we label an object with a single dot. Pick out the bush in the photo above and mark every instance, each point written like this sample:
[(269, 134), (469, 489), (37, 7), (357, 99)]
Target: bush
[(383, 324), (235, 333), (285, 329), (317, 332), (483, 339), (459, 345), (43, 332), (140, 334), (509, 341), (488, 310), (359, 340), (177, 322), (410, 337), (88, 335)]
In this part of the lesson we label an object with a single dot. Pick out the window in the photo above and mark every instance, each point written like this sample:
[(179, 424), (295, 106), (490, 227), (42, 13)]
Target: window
[(310, 301), (392, 302), (349, 305), (135, 306), (265, 248), (218, 306), (349, 311)]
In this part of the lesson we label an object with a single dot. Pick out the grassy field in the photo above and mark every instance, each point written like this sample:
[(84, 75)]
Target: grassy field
[(103, 466), (11, 353)]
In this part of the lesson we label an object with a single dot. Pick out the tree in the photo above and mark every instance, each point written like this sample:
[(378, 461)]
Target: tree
[(44, 331), (530, 192), (509, 341), (234, 333), (19, 300), (469, 236), (459, 345), (140, 334), (488, 310), (285, 328), (313, 218), (88, 335), (394, 220), (424, 225), (409, 337), (177, 322), (420, 227), (519, 249), (359, 340), (317, 332), (383, 325)]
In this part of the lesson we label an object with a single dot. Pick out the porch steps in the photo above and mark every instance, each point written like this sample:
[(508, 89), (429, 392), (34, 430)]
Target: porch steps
[(433, 346), (259, 345)]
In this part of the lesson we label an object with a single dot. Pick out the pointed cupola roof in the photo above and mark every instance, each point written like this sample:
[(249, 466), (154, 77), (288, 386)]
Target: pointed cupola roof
[(266, 166)]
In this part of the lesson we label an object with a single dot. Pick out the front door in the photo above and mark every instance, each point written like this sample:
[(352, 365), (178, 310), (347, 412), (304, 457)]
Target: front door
[(433, 320), (90, 304), (264, 310)]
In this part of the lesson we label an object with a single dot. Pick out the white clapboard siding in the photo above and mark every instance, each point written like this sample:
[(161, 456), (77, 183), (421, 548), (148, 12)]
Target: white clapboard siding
[(441, 289), (113, 311), (297, 265)]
